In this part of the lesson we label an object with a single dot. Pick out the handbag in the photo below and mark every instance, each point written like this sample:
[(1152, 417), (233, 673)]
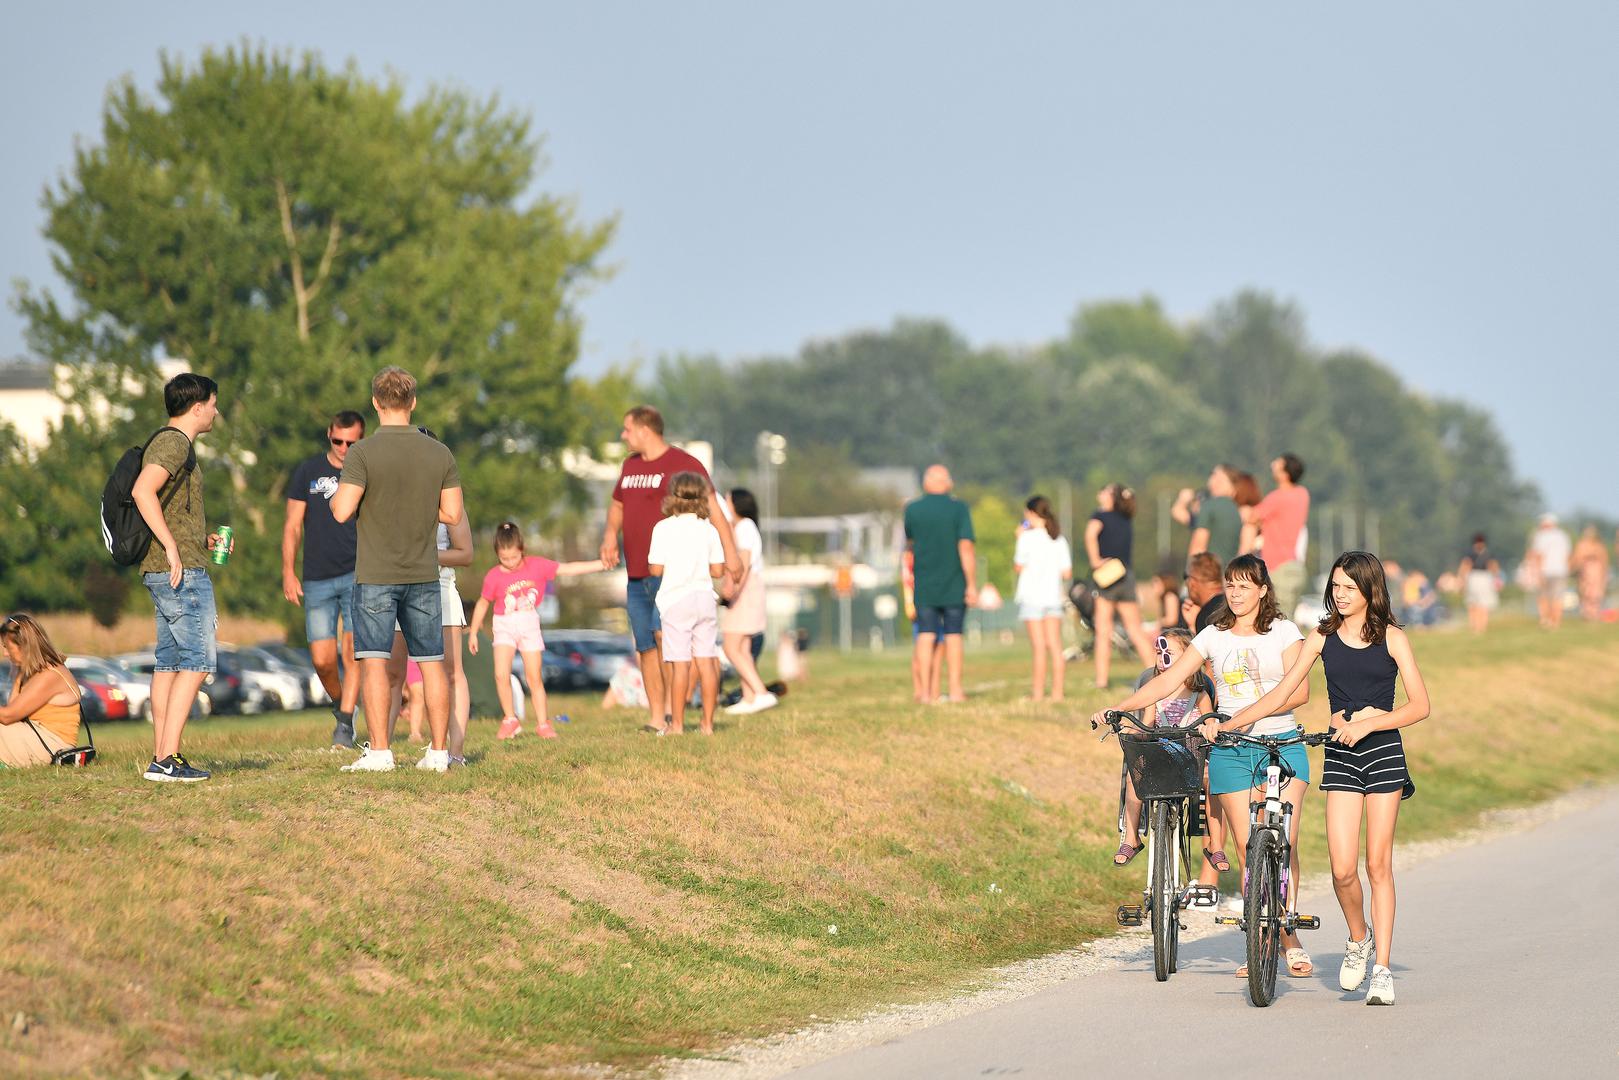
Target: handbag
[(1108, 572), (72, 755)]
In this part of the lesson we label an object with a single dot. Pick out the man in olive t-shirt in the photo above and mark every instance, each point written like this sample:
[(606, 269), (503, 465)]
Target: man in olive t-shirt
[(402, 483), (168, 494), (939, 531)]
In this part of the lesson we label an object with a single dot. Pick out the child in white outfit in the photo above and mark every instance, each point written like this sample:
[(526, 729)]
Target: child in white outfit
[(686, 553)]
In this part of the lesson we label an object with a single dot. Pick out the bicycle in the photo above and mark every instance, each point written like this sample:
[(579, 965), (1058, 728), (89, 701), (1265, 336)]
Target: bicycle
[(1266, 883), (1168, 777)]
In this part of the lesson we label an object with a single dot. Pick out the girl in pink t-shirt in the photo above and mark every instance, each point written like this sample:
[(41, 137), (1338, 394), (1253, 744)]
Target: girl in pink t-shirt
[(514, 587)]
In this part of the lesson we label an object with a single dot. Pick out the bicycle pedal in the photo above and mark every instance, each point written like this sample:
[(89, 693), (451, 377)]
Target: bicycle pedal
[(1203, 896), (1306, 922), (1228, 920), (1130, 916)]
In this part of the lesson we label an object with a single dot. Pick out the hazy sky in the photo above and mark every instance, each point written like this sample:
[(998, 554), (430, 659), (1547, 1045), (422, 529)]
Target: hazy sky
[(1437, 183)]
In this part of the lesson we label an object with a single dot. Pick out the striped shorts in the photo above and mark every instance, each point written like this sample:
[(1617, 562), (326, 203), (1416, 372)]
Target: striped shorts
[(1373, 766)]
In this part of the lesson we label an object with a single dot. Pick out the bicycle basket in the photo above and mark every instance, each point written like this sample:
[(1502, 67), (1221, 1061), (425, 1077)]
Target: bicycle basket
[(1165, 768)]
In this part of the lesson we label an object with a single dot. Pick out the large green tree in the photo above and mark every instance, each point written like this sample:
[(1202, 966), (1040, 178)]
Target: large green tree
[(287, 229)]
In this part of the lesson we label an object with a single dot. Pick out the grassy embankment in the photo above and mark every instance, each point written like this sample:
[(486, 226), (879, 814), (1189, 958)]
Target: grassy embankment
[(612, 897)]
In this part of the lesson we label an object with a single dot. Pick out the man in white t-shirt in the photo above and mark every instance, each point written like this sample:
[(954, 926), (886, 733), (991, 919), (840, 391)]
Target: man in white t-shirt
[(1548, 551)]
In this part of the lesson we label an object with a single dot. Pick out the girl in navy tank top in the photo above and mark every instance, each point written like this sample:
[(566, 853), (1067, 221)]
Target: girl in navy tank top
[(1364, 653)]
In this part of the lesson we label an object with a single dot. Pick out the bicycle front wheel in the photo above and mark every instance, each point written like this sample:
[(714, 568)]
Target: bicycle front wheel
[(1164, 901), (1262, 911)]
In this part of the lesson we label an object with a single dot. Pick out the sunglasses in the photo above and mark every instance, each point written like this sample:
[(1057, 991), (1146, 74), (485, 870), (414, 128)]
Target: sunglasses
[(1164, 659), (344, 442)]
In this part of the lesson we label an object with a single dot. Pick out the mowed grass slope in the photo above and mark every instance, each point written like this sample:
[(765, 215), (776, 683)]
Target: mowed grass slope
[(611, 897)]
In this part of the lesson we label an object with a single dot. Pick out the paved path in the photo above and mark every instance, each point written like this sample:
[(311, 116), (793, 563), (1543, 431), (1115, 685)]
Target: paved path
[(1506, 963)]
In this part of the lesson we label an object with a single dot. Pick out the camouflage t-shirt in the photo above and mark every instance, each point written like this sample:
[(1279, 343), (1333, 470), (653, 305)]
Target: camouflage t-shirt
[(184, 513)]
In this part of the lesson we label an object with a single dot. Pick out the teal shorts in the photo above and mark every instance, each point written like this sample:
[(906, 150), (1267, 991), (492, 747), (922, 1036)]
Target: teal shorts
[(1241, 768)]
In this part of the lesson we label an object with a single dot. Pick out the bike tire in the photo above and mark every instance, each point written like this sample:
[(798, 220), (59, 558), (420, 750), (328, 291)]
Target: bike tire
[(1165, 917), (1177, 845), (1262, 911)]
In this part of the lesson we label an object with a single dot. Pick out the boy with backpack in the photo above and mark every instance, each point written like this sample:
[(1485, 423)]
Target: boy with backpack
[(167, 493)]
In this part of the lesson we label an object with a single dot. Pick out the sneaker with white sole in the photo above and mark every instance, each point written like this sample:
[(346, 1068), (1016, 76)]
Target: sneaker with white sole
[(1382, 989), (1357, 954), (742, 708), (435, 761), (510, 728), (371, 761), (764, 701)]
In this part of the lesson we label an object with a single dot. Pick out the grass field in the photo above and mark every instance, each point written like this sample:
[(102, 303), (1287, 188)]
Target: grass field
[(610, 897)]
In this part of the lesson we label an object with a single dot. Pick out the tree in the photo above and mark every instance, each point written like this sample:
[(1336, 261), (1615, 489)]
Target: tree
[(289, 229), (1113, 329)]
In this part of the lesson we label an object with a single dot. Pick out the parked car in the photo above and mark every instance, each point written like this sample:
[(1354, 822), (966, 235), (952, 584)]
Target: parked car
[(136, 688), (142, 664), (268, 686), (299, 659), (564, 665), (603, 652), (93, 705), (111, 702)]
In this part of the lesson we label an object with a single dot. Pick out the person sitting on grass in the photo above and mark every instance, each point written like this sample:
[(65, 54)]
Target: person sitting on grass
[(687, 555), (515, 585), (42, 714)]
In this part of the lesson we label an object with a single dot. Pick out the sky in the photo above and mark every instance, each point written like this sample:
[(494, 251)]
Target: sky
[(1433, 183)]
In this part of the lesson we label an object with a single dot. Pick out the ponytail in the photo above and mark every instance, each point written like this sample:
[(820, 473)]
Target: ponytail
[(1040, 507)]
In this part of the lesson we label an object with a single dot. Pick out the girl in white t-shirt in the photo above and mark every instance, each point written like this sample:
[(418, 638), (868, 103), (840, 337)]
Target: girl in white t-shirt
[(1248, 650), (686, 555), (1044, 564)]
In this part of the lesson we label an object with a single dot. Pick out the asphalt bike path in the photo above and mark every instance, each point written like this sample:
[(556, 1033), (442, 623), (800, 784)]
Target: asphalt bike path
[(1506, 963)]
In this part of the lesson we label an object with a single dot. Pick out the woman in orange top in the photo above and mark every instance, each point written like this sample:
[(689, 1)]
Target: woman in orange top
[(42, 715)]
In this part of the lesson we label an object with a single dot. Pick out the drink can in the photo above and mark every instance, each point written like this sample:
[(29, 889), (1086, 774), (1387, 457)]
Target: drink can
[(221, 553), (563, 719)]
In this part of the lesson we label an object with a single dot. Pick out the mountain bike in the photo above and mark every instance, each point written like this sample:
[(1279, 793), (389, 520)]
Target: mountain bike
[(1266, 884), (1166, 766)]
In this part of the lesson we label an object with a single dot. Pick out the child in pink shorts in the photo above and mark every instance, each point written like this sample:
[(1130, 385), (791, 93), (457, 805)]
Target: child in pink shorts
[(686, 553), (514, 587)]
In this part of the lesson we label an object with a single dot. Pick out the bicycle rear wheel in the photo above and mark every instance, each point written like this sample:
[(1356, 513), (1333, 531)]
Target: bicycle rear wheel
[(1262, 911), (1163, 899)]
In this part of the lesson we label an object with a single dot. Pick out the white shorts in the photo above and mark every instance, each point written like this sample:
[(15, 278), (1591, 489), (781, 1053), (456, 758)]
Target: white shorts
[(454, 612), (690, 626), (519, 630)]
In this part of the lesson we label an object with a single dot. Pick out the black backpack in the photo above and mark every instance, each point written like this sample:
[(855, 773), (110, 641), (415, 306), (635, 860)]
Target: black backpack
[(123, 529)]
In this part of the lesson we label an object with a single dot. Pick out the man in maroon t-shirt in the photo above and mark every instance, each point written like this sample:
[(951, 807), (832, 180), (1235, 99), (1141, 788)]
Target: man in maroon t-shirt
[(636, 507)]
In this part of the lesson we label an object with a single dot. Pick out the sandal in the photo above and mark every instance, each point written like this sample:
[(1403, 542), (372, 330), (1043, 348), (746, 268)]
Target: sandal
[(1125, 853), (1218, 860), (1242, 971), (1299, 965)]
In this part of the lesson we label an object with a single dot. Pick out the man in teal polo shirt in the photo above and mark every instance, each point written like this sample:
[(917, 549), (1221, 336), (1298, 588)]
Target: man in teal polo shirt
[(939, 532)]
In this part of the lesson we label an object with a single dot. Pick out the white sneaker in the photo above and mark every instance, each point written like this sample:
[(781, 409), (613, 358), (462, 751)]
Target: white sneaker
[(435, 760), (1357, 954), (764, 701), (371, 761), (1382, 990), (742, 708)]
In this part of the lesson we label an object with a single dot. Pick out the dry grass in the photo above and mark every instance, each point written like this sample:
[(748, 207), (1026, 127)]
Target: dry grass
[(81, 634), (611, 897)]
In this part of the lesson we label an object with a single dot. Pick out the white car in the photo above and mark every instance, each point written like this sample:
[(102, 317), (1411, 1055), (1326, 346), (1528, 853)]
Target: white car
[(136, 688), (269, 681)]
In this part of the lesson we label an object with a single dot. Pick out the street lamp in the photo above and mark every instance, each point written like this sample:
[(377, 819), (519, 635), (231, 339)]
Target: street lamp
[(770, 453)]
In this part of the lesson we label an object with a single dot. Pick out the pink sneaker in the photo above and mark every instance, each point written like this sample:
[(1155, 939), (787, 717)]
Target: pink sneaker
[(544, 730), (510, 728)]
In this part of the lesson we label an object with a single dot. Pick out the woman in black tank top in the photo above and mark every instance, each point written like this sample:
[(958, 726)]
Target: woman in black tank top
[(1364, 653)]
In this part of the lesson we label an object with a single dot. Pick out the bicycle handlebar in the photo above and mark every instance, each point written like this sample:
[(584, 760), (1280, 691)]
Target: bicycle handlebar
[(1116, 719), (1270, 742)]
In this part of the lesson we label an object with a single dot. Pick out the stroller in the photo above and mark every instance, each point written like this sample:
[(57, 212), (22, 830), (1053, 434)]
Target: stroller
[(1083, 596)]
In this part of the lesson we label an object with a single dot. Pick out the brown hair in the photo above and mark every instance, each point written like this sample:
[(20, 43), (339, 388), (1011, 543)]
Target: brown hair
[(38, 653), (393, 388), (1366, 571), (1204, 566), (508, 536), (688, 494), (1124, 500), (1244, 489), (646, 416), (1251, 568), (1040, 507)]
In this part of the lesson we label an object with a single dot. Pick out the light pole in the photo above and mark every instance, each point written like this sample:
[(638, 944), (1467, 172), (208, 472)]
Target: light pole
[(770, 453)]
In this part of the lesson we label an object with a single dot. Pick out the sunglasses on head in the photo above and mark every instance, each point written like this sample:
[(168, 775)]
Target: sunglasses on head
[(1164, 659)]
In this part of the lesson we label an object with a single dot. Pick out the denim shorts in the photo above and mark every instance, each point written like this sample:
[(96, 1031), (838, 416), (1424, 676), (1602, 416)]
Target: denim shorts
[(187, 621), (1240, 768), (941, 621), (324, 601), (1036, 612), (640, 601), (414, 608)]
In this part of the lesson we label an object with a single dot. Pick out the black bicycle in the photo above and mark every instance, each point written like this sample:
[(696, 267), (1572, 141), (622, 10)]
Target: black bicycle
[(1166, 766), (1266, 884)]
